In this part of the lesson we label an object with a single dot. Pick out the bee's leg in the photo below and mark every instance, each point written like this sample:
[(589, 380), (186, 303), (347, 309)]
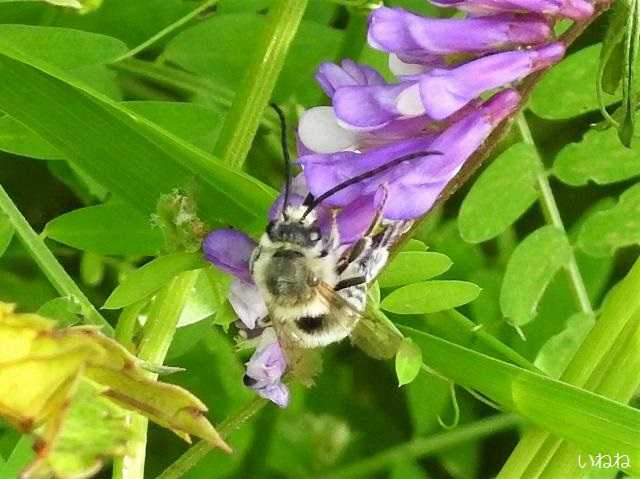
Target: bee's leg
[(364, 244), (350, 282)]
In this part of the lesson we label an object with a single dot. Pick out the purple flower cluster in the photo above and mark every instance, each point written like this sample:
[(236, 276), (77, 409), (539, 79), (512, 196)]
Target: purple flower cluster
[(446, 69)]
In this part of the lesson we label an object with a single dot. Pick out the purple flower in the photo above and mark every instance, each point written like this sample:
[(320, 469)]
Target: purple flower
[(576, 9), (265, 370), (414, 186), (436, 94), (411, 36), (444, 92), (230, 251)]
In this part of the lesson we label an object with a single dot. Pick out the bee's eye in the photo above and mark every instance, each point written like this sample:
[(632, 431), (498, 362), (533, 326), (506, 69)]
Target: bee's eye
[(270, 228), (314, 235)]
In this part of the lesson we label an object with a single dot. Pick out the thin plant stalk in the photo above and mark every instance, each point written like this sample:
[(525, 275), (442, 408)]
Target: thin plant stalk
[(168, 29), (552, 215), (254, 92), (157, 336)]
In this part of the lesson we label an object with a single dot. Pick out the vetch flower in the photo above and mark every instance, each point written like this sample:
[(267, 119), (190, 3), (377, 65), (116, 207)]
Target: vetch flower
[(575, 9), (414, 186), (413, 37), (266, 368), (443, 92)]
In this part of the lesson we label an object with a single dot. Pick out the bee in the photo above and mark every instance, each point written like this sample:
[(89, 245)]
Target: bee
[(315, 290)]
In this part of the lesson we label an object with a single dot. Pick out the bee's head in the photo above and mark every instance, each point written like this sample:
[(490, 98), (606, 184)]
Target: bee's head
[(302, 232)]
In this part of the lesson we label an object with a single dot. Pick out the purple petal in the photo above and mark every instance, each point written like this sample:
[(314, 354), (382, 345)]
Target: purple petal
[(266, 368), (331, 76), (422, 199), (276, 393), (356, 217), (267, 363), (323, 172), (425, 181), (444, 92), (408, 35), (247, 302), (368, 107), (229, 250), (576, 9)]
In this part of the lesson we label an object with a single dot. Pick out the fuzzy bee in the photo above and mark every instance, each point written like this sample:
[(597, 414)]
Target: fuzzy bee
[(315, 291)]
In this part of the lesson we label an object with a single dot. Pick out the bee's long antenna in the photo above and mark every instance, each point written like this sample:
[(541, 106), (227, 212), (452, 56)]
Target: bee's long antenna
[(287, 160), (364, 176)]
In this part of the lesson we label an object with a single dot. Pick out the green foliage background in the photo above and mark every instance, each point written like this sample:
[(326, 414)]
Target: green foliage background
[(93, 134)]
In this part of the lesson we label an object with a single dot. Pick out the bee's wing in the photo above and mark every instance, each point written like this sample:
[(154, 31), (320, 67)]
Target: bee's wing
[(370, 334)]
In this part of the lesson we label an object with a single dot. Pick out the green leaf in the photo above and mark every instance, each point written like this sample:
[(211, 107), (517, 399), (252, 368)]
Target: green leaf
[(629, 82), (19, 140), (612, 53), (430, 296), (92, 269), (531, 267), (599, 158), (151, 277), (111, 228), (427, 397), (595, 423), (6, 233), (502, 193), (93, 430), (64, 310), (145, 161), (408, 362), (413, 266), (197, 124), (414, 245), (606, 231), (21, 455), (209, 292), (574, 80), (556, 353), (486, 308), (63, 47)]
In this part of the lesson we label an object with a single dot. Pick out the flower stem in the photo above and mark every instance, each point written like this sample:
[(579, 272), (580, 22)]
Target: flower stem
[(552, 215), (157, 336), (255, 91), (168, 29), (48, 263), (424, 446), (196, 453)]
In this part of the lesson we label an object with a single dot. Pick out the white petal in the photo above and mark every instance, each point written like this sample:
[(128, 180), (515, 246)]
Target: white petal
[(400, 68), (320, 132), (409, 102), (247, 302)]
